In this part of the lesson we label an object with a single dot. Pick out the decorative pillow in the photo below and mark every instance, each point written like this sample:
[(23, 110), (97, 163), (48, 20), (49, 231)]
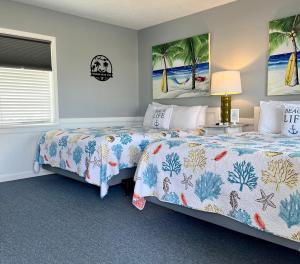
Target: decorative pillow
[(291, 120), (270, 117), (149, 113), (148, 116), (186, 117), (161, 117)]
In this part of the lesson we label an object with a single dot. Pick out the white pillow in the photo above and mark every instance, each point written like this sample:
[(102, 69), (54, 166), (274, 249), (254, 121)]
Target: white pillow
[(161, 117), (148, 116), (202, 116), (270, 117), (149, 113), (291, 120), (186, 117)]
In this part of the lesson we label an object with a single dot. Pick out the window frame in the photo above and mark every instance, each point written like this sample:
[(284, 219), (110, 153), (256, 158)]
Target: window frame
[(52, 40)]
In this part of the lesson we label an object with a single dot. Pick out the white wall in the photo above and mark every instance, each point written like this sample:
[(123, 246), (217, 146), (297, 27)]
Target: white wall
[(16, 153)]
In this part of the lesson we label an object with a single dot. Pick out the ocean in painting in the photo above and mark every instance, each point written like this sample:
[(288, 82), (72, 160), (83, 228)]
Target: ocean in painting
[(280, 61), (277, 65), (180, 82)]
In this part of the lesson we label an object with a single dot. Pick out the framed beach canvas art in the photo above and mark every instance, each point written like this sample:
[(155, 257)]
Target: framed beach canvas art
[(283, 64), (181, 68)]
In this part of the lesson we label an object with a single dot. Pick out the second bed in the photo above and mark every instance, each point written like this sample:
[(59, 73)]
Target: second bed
[(249, 178)]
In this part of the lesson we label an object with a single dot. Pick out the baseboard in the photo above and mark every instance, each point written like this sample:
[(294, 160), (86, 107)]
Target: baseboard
[(22, 175)]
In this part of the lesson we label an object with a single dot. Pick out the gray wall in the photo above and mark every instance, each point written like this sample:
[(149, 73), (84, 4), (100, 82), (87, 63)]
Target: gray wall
[(78, 41), (239, 41)]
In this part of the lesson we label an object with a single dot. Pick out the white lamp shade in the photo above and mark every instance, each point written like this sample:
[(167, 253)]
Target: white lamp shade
[(226, 83)]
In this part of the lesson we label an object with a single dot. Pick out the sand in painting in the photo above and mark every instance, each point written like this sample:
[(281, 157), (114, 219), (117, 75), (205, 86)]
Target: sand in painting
[(180, 82), (277, 66)]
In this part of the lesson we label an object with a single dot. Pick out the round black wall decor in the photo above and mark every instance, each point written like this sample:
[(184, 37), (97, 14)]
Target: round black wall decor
[(101, 68)]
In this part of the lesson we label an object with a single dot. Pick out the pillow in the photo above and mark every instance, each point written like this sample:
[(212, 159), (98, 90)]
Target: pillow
[(161, 117), (148, 116), (202, 116), (149, 113), (291, 120), (186, 117), (270, 117)]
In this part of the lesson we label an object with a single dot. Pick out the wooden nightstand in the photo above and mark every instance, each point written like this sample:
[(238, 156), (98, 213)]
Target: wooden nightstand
[(224, 129)]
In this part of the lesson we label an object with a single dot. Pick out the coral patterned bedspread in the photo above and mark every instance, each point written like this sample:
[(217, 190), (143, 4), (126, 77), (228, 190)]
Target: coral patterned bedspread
[(251, 178), (97, 153)]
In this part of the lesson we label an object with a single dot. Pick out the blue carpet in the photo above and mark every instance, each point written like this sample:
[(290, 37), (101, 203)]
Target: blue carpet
[(53, 219)]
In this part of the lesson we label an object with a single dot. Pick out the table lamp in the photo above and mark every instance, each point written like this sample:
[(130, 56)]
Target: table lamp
[(226, 83)]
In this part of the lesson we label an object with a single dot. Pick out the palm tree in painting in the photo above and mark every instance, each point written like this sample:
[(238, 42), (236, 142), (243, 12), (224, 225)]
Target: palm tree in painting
[(285, 31), (165, 54), (97, 64), (193, 51)]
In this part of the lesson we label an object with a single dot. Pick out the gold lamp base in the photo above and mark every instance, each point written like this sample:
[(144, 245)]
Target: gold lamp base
[(225, 108)]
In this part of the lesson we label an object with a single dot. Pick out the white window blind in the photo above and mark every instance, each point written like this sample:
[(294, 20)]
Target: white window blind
[(26, 97)]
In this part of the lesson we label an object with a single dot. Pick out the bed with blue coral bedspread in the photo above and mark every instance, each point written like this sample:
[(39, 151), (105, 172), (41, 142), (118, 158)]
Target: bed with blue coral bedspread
[(251, 178), (97, 154)]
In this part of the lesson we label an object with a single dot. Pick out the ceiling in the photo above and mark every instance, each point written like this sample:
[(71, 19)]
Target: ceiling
[(135, 14)]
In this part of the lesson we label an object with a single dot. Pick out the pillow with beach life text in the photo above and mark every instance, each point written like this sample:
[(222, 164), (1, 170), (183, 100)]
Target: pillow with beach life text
[(161, 117), (291, 120), (149, 113)]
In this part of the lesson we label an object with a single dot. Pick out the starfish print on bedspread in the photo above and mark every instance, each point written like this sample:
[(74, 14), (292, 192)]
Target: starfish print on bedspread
[(266, 200), (187, 181)]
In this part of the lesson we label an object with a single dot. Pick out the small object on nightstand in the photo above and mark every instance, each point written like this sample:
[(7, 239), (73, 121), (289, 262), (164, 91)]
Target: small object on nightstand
[(224, 129), (235, 116)]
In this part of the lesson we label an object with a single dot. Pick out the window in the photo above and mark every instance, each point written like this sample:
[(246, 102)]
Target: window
[(27, 79)]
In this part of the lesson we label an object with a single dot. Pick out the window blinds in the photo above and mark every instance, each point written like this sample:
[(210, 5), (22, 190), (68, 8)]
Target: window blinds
[(25, 53), (26, 97)]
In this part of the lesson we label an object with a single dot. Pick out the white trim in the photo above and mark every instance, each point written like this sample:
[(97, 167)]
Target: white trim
[(54, 79), (52, 40), (100, 121), (24, 34), (213, 117), (26, 129), (5, 177), (75, 122)]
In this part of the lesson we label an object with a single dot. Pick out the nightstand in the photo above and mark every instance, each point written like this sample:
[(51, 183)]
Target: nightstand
[(224, 129)]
